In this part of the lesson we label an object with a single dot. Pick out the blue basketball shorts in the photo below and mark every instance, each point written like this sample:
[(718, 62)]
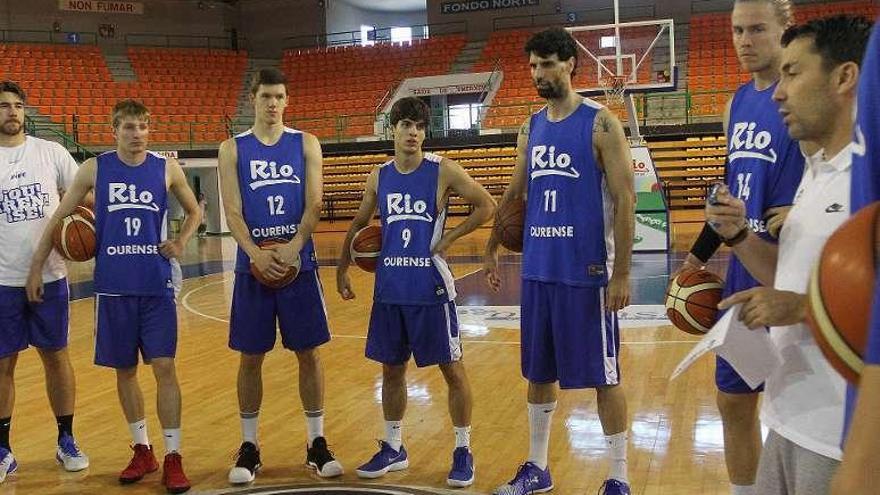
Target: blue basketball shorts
[(568, 336), (42, 325), (428, 333), (128, 325), (298, 309)]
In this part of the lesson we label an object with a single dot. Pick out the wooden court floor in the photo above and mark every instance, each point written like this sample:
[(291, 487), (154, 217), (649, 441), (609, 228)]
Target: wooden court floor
[(675, 439)]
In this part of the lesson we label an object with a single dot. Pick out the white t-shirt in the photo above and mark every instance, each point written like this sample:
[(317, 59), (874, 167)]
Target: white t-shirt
[(30, 176), (804, 398)]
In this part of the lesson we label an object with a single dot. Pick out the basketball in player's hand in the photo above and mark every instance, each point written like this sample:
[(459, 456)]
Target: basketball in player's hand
[(841, 289), (289, 275), (692, 300), (509, 224), (366, 246), (74, 238)]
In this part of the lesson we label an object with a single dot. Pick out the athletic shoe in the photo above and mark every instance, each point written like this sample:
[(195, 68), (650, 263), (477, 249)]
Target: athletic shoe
[(462, 472), (141, 463), (69, 454), (529, 479), (7, 463), (614, 487), (385, 461), (247, 463), (319, 458), (172, 474)]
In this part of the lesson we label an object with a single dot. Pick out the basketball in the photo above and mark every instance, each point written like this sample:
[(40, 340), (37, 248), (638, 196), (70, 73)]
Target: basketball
[(509, 225), (840, 292), (365, 247), (292, 270), (692, 300), (74, 238)]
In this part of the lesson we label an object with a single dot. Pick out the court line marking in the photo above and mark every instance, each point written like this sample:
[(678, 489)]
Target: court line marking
[(184, 301)]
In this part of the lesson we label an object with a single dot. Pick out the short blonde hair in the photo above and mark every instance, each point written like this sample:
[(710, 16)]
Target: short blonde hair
[(783, 9), (129, 108)]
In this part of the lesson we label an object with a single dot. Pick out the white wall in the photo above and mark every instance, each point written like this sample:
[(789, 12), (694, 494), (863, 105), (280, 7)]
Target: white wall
[(344, 17)]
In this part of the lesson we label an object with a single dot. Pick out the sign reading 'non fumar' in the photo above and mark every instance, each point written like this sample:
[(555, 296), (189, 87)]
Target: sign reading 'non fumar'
[(477, 5), (101, 6)]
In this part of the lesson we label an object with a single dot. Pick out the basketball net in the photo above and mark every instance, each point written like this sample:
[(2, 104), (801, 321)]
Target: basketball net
[(615, 89)]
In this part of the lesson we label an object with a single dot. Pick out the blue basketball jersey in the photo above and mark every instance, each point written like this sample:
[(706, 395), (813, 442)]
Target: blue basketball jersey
[(865, 187), (130, 222), (272, 184), (412, 223), (569, 221), (764, 166)]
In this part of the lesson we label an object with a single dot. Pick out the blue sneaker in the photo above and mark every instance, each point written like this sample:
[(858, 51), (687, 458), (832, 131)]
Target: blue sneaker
[(462, 473), (614, 487), (70, 456), (7, 463), (529, 479), (385, 461)]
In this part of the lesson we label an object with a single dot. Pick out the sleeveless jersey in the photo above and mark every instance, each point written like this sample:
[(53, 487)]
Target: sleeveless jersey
[(272, 184), (412, 223), (764, 166), (130, 220), (569, 220)]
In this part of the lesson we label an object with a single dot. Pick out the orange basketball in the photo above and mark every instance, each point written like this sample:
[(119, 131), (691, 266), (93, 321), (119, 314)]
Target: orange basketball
[(366, 246), (74, 238), (509, 224), (840, 292), (692, 300), (289, 276)]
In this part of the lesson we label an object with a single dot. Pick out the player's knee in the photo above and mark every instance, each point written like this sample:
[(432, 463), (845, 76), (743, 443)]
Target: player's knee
[(7, 365), (309, 359), (126, 374), (54, 359), (455, 375), (251, 363), (737, 408), (394, 374), (163, 369)]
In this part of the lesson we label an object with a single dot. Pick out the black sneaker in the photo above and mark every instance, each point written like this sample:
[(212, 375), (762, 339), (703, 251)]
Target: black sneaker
[(247, 463), (321, 459)]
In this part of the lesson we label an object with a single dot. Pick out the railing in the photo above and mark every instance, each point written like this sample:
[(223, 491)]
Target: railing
[(380, 35), (577, 18), (673, 108), (186, 41), (48, 131), (56, 37)]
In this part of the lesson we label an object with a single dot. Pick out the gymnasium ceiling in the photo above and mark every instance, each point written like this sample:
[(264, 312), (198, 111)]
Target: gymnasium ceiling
[(388, 5)]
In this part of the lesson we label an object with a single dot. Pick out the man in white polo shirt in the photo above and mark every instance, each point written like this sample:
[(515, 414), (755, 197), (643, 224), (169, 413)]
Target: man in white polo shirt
[(804, 399)]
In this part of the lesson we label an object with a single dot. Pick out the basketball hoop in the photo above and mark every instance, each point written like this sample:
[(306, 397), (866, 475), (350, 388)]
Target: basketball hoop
[(614, 88)]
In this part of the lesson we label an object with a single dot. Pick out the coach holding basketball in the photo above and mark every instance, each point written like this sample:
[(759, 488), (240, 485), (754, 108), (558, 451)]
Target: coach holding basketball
[(804, 399)]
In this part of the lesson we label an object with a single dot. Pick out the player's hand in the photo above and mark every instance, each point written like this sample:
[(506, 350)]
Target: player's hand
[(34, 286), (267, 262), (490, 268), (775, 218), (691, 262), (766, 307), (343, 285), (171, 248), (617, 292), (288, 254), (728, 216), (441, 246)]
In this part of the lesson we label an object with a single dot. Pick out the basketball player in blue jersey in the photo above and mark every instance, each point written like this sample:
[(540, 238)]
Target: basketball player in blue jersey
[(574, 170), (859, 473), (134, 295), (271, 181), (764, 168), (413, 310)]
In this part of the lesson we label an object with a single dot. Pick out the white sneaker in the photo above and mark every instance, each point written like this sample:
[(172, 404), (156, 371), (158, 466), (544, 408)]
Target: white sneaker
[(70, 456), (7, 464)]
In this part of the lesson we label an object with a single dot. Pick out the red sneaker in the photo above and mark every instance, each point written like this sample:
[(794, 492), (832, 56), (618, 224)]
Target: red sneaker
[(142, 462), (172, 474)]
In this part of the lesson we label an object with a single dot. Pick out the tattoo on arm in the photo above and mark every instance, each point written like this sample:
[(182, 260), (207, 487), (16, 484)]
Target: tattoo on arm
[(601, 124)]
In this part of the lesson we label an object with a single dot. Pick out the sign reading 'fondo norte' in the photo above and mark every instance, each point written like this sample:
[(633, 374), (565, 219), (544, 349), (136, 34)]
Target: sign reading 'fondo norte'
[(477, 5)]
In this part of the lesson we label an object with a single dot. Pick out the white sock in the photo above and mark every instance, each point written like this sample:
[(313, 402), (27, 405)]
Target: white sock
[(172, 440), (249, 426), (314, 425), (394, 434), (617, 456), (742, 489), (139, 432), (462, 436), (539, 432)]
